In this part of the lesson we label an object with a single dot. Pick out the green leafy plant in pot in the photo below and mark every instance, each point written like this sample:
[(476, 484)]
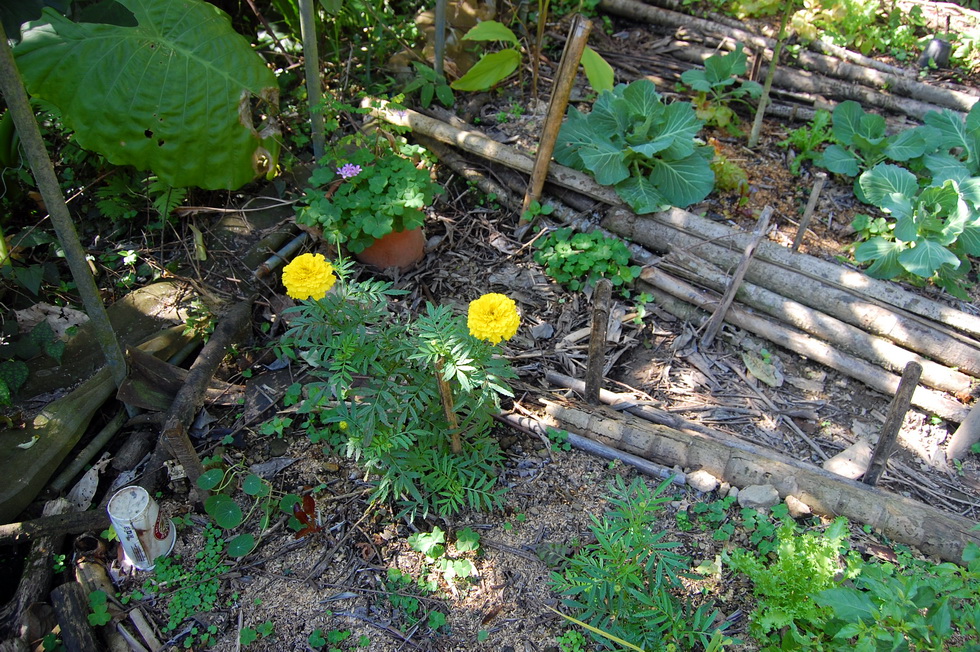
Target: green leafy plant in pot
[(366, 188)]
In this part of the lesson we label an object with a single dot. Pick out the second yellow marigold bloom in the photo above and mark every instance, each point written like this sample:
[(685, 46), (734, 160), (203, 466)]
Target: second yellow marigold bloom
[(493, 317)]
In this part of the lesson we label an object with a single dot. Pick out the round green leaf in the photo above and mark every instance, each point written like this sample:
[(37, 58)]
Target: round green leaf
[(288, 502), (254, 486), (172, 94), (210, 479), (225, 512), (241, 545)]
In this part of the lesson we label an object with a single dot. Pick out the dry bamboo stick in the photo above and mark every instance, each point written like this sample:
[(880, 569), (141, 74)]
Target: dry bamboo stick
[(741, 463), (597, 340), (718, 316), (846, 294), (893, 424), (850, 339), (567, 72), (809, 347), (477, 143)]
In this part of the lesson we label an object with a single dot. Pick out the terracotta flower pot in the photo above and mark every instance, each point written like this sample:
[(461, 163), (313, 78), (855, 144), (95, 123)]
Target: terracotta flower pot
[(401, 249)]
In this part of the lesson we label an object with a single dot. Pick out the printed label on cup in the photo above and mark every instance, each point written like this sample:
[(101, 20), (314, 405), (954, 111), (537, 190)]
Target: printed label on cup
[(143, 534)]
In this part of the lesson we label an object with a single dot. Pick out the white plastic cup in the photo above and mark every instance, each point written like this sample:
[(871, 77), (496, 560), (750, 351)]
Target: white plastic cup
[(143, 534)]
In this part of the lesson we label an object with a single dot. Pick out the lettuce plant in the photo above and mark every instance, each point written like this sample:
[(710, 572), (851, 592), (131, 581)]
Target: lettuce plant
[(862, 142), (935, 228), (647, 150), (957, 154)]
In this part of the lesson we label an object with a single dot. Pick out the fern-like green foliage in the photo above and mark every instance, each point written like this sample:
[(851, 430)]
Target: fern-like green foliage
[(627, 582), (170, 87), (377, 401)]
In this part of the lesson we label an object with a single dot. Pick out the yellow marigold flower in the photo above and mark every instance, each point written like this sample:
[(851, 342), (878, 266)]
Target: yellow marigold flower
[(493, 317), (309, 276)]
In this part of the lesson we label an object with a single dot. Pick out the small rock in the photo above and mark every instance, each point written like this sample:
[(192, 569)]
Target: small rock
[(733, 492), (797, 508), (851, 462), (787, 485), (758, 496), (724, 489), (542, 331), (703, 481)]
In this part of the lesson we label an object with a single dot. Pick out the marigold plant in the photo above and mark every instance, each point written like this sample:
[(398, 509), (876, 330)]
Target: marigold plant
[(418, 417)]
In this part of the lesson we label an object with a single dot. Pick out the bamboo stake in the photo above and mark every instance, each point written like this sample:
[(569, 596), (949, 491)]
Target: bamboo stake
[(760, 112), (311, 61), (893, 423), (718, 317), (567, 71), (47, 183), (811, 205), (597, 341)]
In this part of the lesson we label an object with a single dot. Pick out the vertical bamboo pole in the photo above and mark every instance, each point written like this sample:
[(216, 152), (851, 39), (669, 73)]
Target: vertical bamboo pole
[(47, 183), (601, 298), (718, 317), (311, 62), (811, 205), (760, 112), (567, 70)]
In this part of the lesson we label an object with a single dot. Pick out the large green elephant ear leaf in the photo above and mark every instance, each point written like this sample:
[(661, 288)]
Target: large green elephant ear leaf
[(173, 94)]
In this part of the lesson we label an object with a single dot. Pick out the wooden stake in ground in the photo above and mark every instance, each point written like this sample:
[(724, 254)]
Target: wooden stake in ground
[(714, 324), (597, 340), (811, 205), (893, 423), (567, 70)]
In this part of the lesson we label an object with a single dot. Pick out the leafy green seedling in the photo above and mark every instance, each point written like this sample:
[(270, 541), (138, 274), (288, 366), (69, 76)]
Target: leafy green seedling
[(807, 140), (583, 258), (718, 86)]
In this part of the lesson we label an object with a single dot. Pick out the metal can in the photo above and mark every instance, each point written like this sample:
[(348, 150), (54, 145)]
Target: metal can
[(143, 534)]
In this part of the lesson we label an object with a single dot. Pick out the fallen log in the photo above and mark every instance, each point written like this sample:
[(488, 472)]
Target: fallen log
[(924, 97), (191, 396), (809, 347), (801, 80), (741, 463), (35, 579), (851, 339), (873, 305)]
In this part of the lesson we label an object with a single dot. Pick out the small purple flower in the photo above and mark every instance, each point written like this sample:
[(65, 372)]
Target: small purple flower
[(348, 170)]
